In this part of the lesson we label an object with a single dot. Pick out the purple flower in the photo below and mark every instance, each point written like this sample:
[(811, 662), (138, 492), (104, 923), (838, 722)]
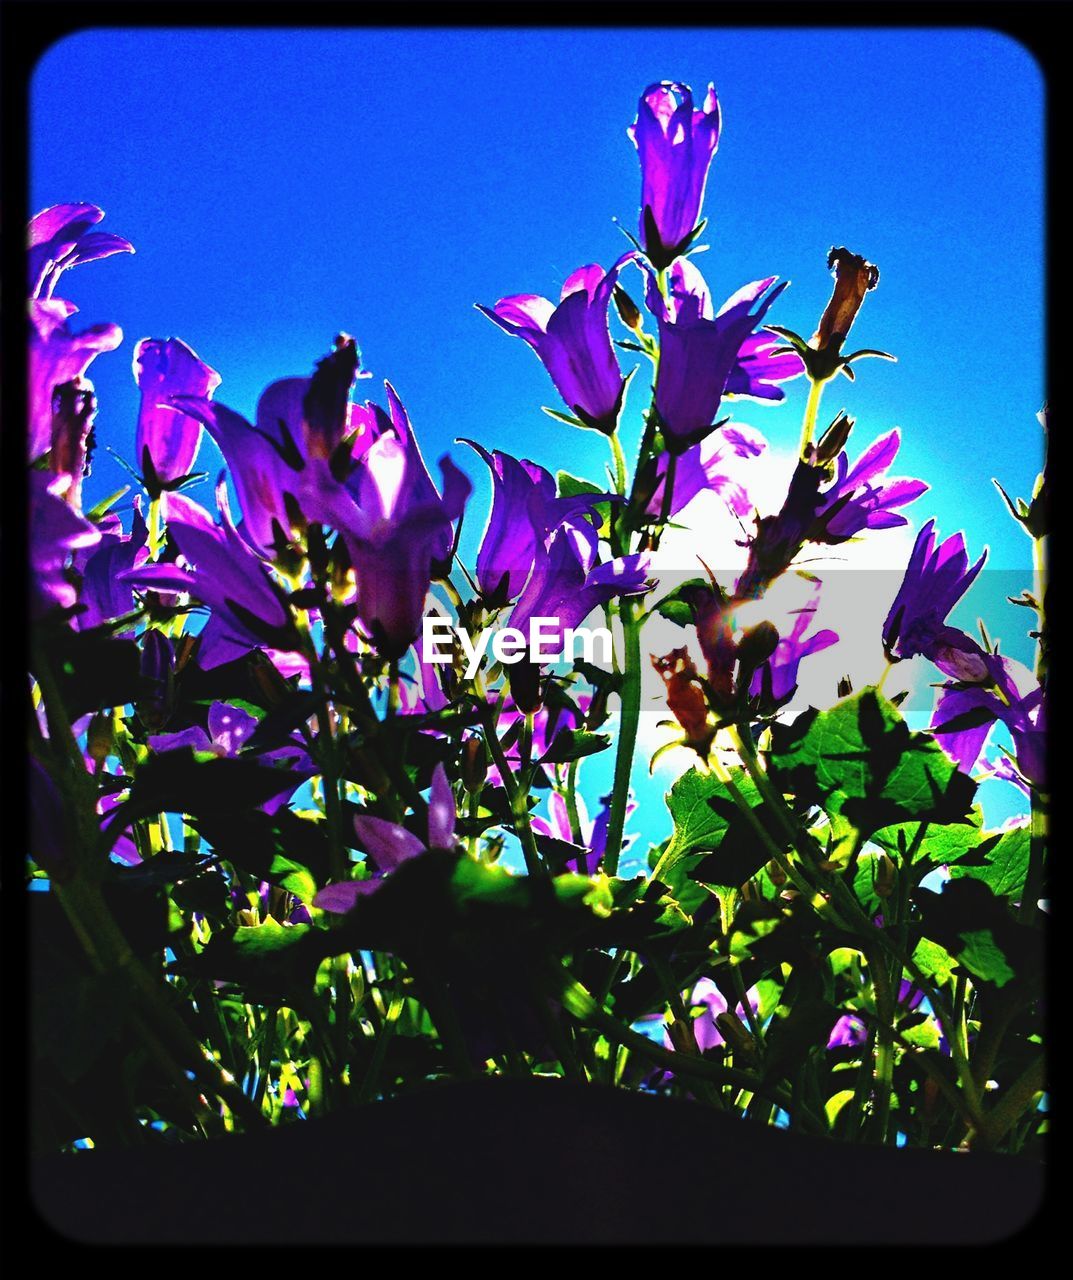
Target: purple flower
[(389, 845), (777, 678), (396, 526), (222, 572), (509, 543), (710, 465), (229, 730), (284, 465), (849, 1032), (267, 467), (699, 350), (989, 689), (937, 576), (56, 532), (524, 513), (856, 501), (675, 145), (567, 584), (103, 595), (593, 833), (573, 341), (707, 996), (61, 237), (58, 356), (166, 443), (759, 370)]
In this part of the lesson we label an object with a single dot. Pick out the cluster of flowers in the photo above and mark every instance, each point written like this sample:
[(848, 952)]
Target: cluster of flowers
[(342, 534)]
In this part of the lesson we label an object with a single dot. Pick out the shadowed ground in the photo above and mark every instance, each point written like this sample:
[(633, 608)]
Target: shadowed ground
[(502, 1161)]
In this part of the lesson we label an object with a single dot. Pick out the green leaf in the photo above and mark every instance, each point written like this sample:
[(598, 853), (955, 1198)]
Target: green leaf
[(1000, 861), (569, 486), (934, 961), (569, 419), (572, 487), (674, 608), (707, 819), (574, 744), (923, 1034), (984, 958), (199, 784), (104, 506), (267, 938), (860, 760), (293, 877), (938, 845), (702, 809)]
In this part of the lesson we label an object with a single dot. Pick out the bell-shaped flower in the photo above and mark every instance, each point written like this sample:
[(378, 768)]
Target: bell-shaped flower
[(567, 584), (675, 144), (56, 532), (397, 527), (776, 680), (712, 1003), (58, 356), (220, 570), (763, 365), (573, 341), (167, 442), (524, 512), (103, 595), (989, 689), (389, 844), (854, 277), (710, 466), (61, 237), (937, 576), (855, 500), (284, 462), (699, 350), (592, 832)]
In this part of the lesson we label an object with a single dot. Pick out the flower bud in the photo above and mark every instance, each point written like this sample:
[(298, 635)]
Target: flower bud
[(74, 406), (629, 312), (854, 277), (833, 440), (685, 698), (886, 876), (736, 1034), (474, 764), (757, 644), (100, 737), (158, 669), (525, 686), (324, 406)]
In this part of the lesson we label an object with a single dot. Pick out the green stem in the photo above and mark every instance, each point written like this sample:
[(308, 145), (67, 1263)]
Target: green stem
[(1014, 1103), (812, 409), (629, 716), (583, 1006), (884, 1062), (621, 473), (517, 797)]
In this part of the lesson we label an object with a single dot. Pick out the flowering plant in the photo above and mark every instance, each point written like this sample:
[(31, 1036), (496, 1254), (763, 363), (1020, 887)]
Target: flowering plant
[(294, 859)]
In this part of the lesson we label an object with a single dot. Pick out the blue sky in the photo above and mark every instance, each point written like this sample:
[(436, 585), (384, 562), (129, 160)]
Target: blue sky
[(283, 185)]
